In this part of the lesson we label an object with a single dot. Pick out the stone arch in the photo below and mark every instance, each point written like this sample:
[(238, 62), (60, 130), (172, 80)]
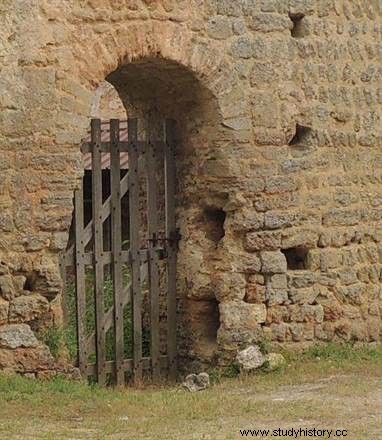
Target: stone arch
[(211, 99)]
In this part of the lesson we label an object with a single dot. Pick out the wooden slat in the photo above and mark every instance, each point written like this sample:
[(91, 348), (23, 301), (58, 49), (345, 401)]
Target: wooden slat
[(88, 231), (134, 249), (80, 278), (170, 182), (152, 229), (86, 147), (98, 250), (116, 237), (109, 315), (127, 365), (64, 301), (125, 257)]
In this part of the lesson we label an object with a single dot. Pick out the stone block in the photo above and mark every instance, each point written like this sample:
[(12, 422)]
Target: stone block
[(296, 331), (312, 313), (280, 219), (4, 309), (308, 331), (301, 279), (242, 48), (229, 286), (276, 296), (342, 217), (277, 184), (27, 308), (277, 314), (270, 23), (278, 281), (250, 358), (330, 259), (59, 241), (299, 237), (255, 294), (248, 263), (273, 262), (305, 295), (313, 259), (295, 312), (263, 73), (347, 276), (219, 28), (324, 332), (279, 332), (274, 361), (17, 335), (260, 241), (7, 289), (19, 284), (247, 220), (229, 8), (239, 315), (265, 110)]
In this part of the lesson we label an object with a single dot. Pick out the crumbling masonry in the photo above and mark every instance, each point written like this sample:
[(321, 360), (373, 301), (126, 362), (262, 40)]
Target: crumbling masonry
[(279, 106)]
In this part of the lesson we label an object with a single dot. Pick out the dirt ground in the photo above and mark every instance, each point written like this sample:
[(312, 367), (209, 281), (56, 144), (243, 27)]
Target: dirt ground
[(307, 394)]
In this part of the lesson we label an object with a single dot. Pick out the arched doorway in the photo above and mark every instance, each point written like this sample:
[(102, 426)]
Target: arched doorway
[(152, 90)]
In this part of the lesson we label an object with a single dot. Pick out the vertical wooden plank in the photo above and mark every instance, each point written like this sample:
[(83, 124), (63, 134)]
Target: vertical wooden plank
[(171, 244), (116, 246), (98, 249), (152, 229), (134, 249), (80, 278)]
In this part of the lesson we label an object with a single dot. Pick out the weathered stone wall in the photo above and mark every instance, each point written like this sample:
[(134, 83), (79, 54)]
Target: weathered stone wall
[(239, 77)]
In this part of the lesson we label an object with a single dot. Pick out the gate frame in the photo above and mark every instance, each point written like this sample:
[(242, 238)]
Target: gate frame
[(143, 262)]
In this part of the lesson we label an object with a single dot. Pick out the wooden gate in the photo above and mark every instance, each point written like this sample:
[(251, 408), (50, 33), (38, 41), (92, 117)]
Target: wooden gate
[(126, 326)]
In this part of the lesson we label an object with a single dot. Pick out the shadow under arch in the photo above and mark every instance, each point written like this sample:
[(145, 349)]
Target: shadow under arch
[(153, 89)]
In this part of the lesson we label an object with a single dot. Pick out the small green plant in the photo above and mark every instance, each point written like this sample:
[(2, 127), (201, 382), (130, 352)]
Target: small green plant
[(265, 367), (55, 338), (264, 346), (232, 371), (215, 376)]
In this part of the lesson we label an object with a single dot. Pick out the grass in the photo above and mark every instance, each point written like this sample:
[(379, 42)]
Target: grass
[(332, 386)]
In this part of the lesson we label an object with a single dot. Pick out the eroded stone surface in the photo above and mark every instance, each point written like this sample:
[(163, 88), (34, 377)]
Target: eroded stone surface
[(196, 382), (250, 358), (17, 335)]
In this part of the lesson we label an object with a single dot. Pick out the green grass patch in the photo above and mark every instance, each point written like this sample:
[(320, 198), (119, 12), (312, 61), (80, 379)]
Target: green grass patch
[(329, 391), (342, 352)]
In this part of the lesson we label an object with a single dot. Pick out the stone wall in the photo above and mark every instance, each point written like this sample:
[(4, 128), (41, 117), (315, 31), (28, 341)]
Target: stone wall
[(278, 104)]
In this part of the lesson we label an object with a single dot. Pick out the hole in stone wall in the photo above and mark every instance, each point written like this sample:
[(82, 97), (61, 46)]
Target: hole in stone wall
[(296, 258), (215, 218), (30, 282), (213, 322), (301, 136), (298, 30)]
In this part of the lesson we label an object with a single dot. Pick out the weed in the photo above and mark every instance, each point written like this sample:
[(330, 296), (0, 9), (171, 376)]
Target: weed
[(264, 346), (215, 376), (55, 338), (342, 352), (232, 371)]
